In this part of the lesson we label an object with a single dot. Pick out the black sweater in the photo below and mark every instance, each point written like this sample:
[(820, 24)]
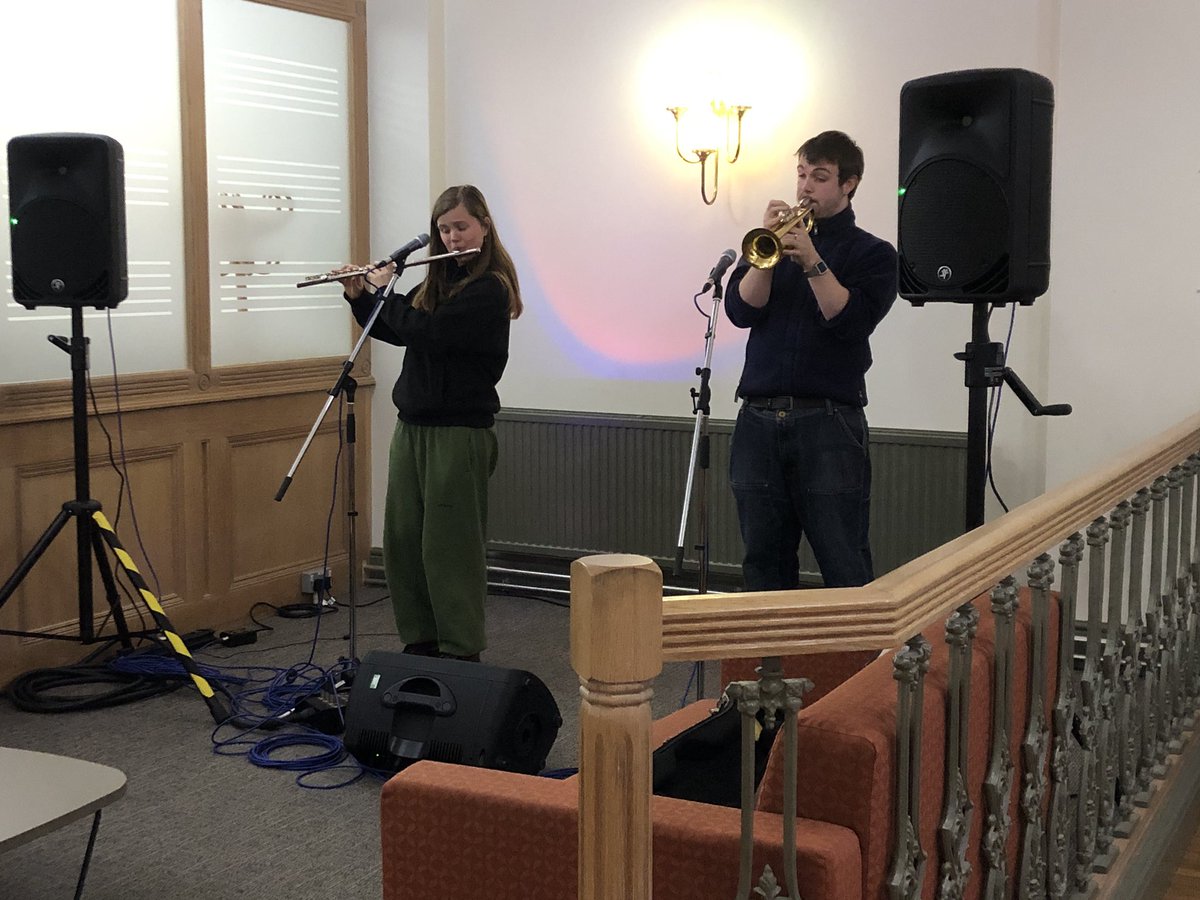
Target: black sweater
[(792, 349), (454, 356)]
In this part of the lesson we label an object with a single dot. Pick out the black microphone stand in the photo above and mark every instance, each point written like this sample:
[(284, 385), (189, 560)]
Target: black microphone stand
[(700, 461), (346, 382)]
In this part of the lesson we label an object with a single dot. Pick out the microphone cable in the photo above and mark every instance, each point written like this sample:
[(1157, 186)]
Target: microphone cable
[(994, 396), (279, 699)]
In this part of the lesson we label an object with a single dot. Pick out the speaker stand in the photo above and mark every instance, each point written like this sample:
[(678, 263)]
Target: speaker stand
[(92, 532), (985, 369)]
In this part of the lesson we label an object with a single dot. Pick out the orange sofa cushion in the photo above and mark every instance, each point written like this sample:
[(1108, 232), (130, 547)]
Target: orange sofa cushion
[(453, 831)]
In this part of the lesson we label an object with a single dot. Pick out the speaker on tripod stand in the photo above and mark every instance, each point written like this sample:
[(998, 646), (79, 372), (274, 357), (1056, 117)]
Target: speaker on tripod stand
[(974, 221), (67, 232), (67, 226)]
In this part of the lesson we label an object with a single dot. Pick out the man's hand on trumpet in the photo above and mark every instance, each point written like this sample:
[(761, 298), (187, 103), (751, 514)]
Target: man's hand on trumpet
[(355, 282), (796, 244)]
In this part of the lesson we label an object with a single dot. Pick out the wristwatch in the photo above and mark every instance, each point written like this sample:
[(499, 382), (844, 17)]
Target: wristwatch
[(819, 269)]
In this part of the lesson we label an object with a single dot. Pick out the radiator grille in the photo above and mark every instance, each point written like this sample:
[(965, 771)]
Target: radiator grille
[(572, 484)]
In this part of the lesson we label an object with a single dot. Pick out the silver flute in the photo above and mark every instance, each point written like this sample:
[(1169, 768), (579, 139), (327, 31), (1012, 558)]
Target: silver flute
[(338, 276)]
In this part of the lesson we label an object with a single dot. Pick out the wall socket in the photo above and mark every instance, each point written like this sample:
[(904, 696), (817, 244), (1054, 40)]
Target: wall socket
[(314, 580)]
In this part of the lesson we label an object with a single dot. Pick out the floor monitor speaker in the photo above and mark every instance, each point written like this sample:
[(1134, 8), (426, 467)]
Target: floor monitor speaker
[(67, 220), (974, 206), (405, 708)]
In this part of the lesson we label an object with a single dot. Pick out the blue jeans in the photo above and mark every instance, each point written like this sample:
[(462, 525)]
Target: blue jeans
[(802, 472)]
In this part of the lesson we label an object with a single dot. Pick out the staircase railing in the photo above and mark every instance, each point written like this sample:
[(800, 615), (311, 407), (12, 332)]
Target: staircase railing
[(1128, 529)]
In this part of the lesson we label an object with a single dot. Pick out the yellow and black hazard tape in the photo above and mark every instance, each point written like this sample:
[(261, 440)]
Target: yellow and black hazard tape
[(160, 617)]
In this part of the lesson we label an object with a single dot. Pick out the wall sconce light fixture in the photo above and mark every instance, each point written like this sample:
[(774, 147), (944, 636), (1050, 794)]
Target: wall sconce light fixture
[(702, 154)]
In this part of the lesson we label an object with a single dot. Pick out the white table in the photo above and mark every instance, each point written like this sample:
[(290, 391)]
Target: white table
[(41, 792)]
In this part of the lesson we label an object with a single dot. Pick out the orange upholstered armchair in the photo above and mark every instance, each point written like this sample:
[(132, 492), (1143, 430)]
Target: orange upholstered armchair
[(451, 831)]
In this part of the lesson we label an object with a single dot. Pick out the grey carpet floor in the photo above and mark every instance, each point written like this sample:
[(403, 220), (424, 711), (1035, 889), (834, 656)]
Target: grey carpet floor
[(197, 824)]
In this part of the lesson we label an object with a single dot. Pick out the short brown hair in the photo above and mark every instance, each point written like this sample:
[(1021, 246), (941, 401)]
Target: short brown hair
[(835, 147)]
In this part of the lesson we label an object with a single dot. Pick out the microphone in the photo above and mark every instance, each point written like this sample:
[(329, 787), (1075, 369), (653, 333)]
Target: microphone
[(718, 271), (415, 244)]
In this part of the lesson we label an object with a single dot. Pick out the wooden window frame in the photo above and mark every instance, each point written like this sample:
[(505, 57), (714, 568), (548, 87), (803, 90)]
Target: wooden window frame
[(199, 381)]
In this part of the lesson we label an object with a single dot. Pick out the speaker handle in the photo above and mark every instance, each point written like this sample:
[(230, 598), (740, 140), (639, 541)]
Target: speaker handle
[(441, 704)]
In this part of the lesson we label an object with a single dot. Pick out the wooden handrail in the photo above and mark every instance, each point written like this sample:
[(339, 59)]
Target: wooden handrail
[(892, 608)]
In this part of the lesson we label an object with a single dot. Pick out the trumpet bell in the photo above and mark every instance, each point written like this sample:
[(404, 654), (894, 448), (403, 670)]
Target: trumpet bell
[(762, 248)]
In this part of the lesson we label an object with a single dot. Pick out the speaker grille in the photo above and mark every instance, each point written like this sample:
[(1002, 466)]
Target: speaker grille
[(373, 744), (67, 220), (445, 751), (954, 230)]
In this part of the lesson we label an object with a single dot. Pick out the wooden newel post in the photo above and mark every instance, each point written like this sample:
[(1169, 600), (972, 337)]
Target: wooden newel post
[(616, 649)]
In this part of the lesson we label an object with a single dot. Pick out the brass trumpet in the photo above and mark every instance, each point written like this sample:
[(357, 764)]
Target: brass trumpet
[(763, 247)]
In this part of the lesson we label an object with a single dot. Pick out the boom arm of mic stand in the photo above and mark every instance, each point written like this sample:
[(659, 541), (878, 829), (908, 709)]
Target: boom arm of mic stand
[(336, 390)]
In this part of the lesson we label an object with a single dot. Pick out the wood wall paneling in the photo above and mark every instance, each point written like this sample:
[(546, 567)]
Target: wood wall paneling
[(204, 478)]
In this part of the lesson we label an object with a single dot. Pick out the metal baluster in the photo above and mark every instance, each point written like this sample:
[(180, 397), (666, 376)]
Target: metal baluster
[(770, 694), (1110, 733), (1135, 657), (1035, 747), (1185, 592), (1090, 691), (1171, 726), (1062, 830), (1194, 606), (1123, 766), (1193, 569), (908, 865), (956, 819), (1156, 629), (997, 789)]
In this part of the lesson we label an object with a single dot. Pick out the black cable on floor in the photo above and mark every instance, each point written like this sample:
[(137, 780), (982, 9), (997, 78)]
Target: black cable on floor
[(57, 690), (303, 610)]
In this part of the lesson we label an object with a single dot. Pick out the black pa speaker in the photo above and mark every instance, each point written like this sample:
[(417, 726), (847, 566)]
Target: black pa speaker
[(405, 708), (975, 187), (66, 202)]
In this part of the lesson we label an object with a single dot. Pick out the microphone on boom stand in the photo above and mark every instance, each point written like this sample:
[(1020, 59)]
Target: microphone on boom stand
[(400, 255), (718, 271), (700, 445)]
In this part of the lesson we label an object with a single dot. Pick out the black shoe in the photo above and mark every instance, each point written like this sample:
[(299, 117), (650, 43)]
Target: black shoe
[(422, 648), (474, 657)]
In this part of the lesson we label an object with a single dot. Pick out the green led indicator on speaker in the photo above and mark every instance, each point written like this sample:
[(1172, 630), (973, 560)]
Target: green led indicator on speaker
[(12, 221), (901, 192)]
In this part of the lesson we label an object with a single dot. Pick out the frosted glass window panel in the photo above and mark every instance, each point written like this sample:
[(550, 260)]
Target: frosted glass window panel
[(102, 68), (278, 178)]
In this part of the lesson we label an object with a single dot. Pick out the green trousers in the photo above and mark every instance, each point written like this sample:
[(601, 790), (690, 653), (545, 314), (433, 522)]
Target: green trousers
[(434, 532)]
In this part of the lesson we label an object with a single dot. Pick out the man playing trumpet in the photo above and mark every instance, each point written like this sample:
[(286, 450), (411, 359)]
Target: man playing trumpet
[(799, 460)]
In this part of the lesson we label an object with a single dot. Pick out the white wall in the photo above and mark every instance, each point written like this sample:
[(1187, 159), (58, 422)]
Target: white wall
[(557, 112), (1125, 323), (405, 167)]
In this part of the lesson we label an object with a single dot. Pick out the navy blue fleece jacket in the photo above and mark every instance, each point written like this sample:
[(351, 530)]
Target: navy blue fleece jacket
[(792, 348)]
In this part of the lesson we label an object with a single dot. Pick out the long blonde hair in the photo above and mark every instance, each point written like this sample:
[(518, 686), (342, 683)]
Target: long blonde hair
[(492, 257)]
